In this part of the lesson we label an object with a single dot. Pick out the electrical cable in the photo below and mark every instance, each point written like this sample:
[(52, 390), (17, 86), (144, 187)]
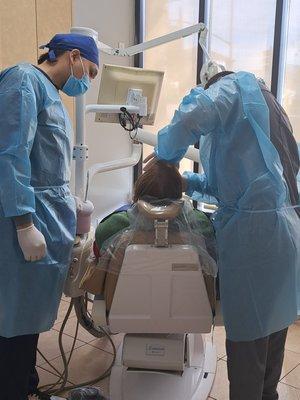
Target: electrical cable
[(125, 119), (62, 375), (80, 305)]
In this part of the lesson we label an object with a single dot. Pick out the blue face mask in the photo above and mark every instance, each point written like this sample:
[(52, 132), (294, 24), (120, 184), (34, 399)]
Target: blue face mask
[(76, 87)]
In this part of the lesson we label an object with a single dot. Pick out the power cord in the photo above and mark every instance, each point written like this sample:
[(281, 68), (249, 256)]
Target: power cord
[(84, 319), (129, 122)]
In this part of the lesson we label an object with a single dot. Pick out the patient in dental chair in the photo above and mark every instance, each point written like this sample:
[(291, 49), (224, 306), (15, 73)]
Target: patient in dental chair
[(162, 181), (158, 187)]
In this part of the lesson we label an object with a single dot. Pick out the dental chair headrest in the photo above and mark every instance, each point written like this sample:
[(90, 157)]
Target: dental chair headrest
[(164, 212)]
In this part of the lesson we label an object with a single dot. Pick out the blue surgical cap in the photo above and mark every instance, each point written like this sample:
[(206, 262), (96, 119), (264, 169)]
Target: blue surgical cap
[(69, 41)]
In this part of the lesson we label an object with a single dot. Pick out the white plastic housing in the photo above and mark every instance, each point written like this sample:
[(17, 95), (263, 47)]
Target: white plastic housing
[(161, 290)]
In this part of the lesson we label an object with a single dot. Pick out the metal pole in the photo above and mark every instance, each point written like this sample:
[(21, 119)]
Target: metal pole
[(139, 62), (277, 47), (283, 49), (80, 149), (200, 61)]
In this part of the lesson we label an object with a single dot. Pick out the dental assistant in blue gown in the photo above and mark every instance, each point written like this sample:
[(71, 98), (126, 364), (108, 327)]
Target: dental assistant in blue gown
[(250, 162), (37, 210)]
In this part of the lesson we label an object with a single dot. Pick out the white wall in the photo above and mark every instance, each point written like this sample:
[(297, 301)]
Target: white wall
[(114, 20)]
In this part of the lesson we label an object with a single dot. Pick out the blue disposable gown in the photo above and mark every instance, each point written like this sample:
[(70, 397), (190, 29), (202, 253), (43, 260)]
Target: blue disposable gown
[(257, 230), (35, 156)]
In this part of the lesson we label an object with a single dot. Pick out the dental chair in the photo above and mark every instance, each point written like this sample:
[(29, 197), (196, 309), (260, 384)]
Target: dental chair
[(159, 299)]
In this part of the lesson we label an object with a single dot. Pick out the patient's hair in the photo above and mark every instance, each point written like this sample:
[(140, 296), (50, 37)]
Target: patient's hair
[(161, 181)]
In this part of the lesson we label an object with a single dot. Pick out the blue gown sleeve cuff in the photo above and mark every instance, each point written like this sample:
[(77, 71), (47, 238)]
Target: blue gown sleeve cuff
[(198, 188), (173, 161), (23, 219), (192, 183)]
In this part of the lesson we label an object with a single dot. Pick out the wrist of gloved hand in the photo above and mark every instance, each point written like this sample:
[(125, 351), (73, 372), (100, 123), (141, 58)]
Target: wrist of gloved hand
[(32, 243)]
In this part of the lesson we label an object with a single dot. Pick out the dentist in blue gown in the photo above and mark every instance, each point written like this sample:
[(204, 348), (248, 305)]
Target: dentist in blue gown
[(37, 210), (250, 162)]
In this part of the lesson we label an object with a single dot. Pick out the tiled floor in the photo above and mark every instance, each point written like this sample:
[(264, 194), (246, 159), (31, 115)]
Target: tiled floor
[(92, 356)]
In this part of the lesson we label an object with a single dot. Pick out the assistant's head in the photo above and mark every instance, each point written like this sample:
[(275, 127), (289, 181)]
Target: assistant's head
[(161, 181), (71, 62)]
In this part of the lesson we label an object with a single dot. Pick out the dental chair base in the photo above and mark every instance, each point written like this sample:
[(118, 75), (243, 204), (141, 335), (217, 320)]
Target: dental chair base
[(160, 295), (192, 382)]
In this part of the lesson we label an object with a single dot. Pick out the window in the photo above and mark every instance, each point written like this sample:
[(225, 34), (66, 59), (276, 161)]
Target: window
[(241, 35), (178, 59), (291, 92)]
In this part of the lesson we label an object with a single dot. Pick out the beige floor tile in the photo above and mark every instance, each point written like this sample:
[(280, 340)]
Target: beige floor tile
[(46, 377), (62, 311), (293, 338), (104, 343), (70, 328), (293, 378), (87, 363), (65, 298), (287, 392), (219, 340), (291, 361), (104, 386), (48, 345), (220, 388)]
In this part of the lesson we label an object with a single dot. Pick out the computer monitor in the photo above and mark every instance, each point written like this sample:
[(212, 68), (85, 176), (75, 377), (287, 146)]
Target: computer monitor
[(117, 80)]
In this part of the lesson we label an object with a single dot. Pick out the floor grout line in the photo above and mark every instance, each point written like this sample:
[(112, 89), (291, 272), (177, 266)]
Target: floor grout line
[(83, 341), (67, 334), (289, 372), (55, 375), (294, 387), (292, 351), (64, 333), (95, 347), (68, 353), (60, 356)]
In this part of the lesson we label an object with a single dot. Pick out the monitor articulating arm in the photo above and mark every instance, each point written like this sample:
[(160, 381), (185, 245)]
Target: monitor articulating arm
[(209, 68), (139, 48)]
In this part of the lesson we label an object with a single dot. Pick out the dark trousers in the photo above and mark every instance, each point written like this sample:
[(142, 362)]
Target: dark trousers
[(254, 368), (18, 376)]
